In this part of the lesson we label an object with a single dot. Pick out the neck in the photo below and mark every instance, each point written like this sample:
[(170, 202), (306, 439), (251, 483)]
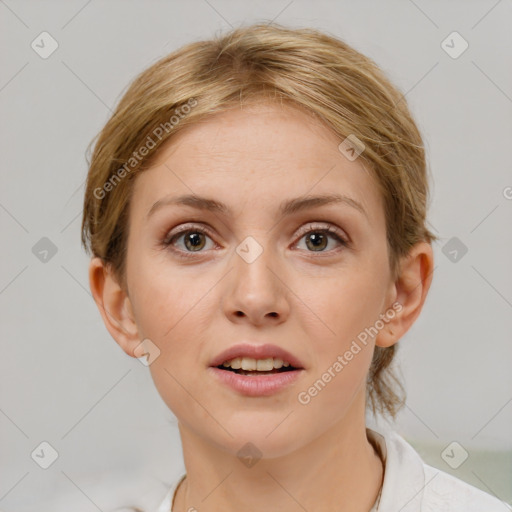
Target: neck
[(339, 470)]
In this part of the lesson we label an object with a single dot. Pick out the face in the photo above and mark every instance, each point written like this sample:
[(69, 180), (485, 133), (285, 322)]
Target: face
[(309, 280)]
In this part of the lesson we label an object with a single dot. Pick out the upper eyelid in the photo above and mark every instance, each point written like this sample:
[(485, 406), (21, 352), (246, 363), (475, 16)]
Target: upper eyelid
[(186, 228), (322, 225)]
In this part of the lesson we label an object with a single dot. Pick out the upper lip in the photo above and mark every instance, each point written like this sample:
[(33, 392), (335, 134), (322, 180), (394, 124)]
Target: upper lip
[(256, 352)]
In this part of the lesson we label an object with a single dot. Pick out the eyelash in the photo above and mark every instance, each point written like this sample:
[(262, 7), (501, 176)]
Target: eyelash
[(169, 241)]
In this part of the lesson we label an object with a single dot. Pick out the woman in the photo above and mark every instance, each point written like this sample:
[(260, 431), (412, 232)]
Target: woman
[(256, 211)]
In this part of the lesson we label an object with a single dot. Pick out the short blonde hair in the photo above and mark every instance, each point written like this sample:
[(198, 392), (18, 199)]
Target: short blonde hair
[(305, 68)]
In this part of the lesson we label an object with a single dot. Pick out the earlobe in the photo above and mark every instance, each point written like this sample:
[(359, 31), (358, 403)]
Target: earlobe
[(114, 306), (410, 289)]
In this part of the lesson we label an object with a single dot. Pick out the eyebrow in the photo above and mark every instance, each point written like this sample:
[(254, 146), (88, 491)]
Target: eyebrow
[(286, 208)]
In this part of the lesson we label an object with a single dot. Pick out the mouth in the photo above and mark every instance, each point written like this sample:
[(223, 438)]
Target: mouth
[(256, 367), (256, 377), (256, 370)]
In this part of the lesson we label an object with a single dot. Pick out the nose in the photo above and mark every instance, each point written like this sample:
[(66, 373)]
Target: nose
[(256, 291)]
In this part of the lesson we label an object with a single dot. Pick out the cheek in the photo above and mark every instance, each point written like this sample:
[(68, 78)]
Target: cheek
[(345, 308), (164, 295), (174, 309), (340, 366), (343, 305)]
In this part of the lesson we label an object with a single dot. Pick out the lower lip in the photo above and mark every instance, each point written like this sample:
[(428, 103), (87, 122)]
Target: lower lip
[(258, 385)]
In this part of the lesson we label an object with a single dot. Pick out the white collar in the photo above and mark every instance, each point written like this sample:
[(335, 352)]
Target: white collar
[(404, 474)]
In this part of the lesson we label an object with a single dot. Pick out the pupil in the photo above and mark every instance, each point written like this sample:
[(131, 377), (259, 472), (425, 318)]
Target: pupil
[(317, 240), (194, 240)]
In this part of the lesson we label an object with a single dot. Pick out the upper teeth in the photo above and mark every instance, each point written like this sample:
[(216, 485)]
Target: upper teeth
[(248, 363)]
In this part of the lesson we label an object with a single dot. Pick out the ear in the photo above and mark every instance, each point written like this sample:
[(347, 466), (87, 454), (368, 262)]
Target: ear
[(408, 293), (114, 306)]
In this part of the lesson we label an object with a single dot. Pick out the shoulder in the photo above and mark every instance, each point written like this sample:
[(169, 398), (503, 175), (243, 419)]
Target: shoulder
[(411, 485), (444, 492)]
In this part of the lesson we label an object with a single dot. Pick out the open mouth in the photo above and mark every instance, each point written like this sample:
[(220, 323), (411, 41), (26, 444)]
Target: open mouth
[(257, 372), (255, 367), (257, 377)]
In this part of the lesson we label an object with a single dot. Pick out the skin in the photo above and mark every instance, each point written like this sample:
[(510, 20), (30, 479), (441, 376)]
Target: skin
[(312, 303)]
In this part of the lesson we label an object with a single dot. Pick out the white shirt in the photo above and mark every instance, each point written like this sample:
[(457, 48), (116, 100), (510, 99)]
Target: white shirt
[(410, 485)]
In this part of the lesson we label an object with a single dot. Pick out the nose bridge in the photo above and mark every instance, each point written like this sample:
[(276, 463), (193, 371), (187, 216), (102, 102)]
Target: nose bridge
[(257, 289), (252, 262)]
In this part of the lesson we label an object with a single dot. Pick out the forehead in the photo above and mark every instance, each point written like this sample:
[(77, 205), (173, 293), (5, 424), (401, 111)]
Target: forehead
[(258, 155)]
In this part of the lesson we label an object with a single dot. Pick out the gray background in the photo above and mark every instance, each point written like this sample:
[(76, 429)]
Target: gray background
[(65, 381)]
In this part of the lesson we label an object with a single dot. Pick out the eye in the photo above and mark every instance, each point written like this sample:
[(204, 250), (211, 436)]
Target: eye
[(317, 238), (194, 240)]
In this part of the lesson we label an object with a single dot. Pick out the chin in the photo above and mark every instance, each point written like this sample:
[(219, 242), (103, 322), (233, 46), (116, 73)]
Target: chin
[(264, 433)]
